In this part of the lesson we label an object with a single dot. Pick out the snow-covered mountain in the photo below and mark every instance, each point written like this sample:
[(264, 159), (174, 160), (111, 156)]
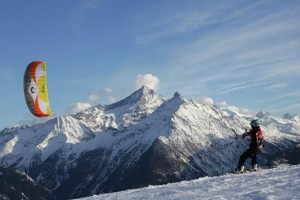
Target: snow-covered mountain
[(277, 183), (139, 141)]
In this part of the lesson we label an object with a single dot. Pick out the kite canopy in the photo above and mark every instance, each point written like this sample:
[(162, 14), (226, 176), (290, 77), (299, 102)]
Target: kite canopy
[(35, 89)]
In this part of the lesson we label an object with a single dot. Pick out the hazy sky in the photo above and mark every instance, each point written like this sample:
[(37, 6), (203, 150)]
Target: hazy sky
[(232, 53)]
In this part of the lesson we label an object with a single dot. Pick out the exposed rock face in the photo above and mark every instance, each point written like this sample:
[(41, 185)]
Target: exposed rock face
[(16, 184)]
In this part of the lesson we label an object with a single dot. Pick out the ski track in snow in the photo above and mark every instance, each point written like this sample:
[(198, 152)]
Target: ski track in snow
[(272, 184)]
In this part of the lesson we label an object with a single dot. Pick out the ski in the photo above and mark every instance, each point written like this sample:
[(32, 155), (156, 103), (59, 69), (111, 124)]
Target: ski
[(246, 171)]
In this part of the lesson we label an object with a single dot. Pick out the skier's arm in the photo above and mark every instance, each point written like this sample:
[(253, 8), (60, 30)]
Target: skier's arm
[(246, 134)]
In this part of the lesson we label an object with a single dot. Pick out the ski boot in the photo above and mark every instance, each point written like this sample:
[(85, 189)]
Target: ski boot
[(239, 170), (254, 168)]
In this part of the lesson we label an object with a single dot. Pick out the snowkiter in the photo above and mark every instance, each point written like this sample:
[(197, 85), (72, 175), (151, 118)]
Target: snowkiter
[(256, 146)]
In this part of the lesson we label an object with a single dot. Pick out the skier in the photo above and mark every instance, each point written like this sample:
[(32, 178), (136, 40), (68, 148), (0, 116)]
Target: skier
[(255, 147)]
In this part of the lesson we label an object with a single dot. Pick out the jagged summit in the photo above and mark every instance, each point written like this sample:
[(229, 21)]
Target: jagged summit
[(140, 93), (122, 114), (177, 95), (287, 116), (179, 98), (263, 114), (143, 95)]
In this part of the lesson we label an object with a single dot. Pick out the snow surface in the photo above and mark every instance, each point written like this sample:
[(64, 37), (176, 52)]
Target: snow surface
[(278, 183)]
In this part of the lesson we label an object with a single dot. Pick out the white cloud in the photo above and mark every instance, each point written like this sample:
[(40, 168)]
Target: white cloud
[(233, 55), (243, 111), (222, 104), (175, 24), (93, 98), (148, 80), (112, 99), (108, 90), (77, 107), (182, 22), (206, 100)]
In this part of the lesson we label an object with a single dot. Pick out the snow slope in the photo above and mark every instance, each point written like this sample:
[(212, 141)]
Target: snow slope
[(277, 183)]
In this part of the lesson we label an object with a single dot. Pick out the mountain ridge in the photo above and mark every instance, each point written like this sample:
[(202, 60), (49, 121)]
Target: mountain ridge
[(98, 150)]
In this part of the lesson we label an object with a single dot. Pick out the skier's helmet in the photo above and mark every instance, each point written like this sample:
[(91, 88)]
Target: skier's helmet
[(254, 123)]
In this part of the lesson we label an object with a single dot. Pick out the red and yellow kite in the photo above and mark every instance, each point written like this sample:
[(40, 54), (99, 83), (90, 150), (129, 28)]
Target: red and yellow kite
[(35, 89)]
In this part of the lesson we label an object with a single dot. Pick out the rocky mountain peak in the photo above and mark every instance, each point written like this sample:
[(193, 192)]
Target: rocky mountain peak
[(179, 100), (177, 95), (142, 95), (287, 116), (263, 114)]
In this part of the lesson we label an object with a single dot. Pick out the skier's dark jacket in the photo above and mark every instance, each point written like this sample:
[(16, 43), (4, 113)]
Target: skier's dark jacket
[(256, 135)]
